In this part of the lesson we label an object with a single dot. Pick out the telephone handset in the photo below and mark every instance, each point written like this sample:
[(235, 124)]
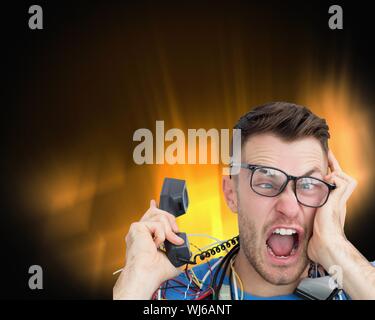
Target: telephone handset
[(174, 199)]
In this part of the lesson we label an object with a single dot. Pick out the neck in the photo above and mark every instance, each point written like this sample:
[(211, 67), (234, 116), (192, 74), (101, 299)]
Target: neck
[(254, 284)]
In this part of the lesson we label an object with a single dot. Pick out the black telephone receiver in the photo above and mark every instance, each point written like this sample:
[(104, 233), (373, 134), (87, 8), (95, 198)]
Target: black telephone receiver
[(174, 199)]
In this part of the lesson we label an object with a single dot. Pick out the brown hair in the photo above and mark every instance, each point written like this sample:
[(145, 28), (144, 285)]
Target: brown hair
[(286, 120)]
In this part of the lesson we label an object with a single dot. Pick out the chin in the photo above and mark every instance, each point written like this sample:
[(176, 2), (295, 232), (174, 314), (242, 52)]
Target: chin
[(284, 272), (282, 275)]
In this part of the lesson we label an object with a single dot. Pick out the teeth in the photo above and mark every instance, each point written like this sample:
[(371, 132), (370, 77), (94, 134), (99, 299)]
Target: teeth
[(284, 232)]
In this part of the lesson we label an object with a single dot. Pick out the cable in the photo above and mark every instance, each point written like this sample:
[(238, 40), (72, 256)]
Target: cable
[(223, 262), (203, 235), (234, 280), (210, 245), (223, 265), (239, 280), (206, 294), (214, 250), (209, 272), (230, 284), (117, 271), (187, 288), (196, 279)]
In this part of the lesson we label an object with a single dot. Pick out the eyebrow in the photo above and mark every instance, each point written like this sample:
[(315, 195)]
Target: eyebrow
[(311, 171), (315, 169), (308, 173)]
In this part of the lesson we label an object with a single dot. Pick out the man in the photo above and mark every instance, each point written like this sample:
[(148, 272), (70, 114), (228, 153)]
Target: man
[(290, 196)]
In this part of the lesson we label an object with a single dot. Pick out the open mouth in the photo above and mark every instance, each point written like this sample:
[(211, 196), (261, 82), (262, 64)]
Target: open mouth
[(283, 243)]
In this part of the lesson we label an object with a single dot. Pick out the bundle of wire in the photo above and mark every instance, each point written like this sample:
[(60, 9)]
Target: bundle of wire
[(196, 288)]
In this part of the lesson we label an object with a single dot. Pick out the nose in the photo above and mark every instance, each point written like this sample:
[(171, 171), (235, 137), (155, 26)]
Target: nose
[(287, 203)]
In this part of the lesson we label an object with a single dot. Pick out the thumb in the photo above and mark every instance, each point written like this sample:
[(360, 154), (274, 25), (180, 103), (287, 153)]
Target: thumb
[(153, 204)]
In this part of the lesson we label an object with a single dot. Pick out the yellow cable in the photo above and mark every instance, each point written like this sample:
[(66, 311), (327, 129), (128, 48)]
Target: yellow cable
[(239, 279), (196, 280)]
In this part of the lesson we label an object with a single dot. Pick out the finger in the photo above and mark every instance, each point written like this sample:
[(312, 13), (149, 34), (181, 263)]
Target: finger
[(161, 230), (345, 197), (156, 231), (158, 236), (140, 231), (149, 211), (332, 162), (153, 204), (345, 186), (341, 183), (172, 220), (153, 213), (346, 177), (141, 235), (174, 238), (340, 179), (170, 235), (329, 178), (347, 192)]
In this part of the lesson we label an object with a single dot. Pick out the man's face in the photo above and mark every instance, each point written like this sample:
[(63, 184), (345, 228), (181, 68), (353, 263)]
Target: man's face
[(260, 217)]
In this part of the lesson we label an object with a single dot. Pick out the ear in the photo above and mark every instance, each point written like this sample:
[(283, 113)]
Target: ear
[(230, 194)]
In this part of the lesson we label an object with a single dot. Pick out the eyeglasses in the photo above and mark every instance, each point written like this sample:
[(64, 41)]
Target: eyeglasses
[(270, 182)]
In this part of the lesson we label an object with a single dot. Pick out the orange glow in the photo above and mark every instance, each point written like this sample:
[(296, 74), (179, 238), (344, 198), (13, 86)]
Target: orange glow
[(88, 196), (335, 100)]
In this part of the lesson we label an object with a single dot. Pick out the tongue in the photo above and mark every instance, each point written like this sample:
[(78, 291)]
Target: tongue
[(281, 245)]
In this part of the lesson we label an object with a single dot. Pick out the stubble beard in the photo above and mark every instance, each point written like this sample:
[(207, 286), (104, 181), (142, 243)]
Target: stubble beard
[(275, 275)]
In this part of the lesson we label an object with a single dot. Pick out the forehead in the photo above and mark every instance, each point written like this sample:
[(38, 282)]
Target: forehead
[(294, 157)]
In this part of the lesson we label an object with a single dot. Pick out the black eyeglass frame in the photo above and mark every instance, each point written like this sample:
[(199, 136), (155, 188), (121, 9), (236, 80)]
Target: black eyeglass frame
[(253, 167)]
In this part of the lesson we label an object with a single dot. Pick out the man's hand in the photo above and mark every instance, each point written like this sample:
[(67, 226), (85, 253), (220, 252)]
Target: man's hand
[(328, 231), (328, 245), (146, 265)]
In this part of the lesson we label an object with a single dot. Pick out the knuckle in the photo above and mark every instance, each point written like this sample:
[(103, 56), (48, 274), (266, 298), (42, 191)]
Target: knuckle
[(134, 226), (171, 216), (159, 228), (161, 237), (132, 229), (164, 219), (153, 214), (149, 213)]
